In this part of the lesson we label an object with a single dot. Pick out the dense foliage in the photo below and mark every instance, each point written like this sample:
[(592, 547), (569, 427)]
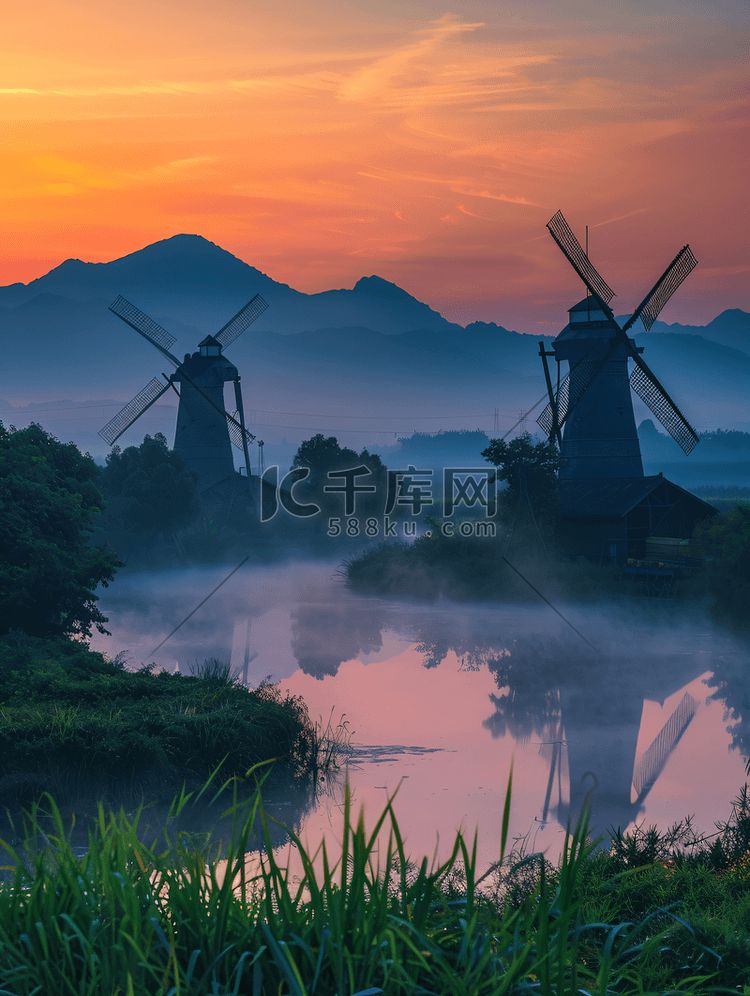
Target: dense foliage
[(150, 493), (473, 569), (326, 461), (716, 444), (527, 468), (726, 540), (49, 499), (724, 441), (72, 717), (437, 447)]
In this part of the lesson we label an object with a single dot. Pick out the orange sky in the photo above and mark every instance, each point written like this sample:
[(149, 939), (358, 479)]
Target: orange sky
[(326, 141)]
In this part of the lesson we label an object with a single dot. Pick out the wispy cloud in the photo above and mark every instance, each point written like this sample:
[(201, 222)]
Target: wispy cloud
[(620, 217), (462, 185), (46, 176), (389, 78), (496, 197), (471, 214), (277, 86)]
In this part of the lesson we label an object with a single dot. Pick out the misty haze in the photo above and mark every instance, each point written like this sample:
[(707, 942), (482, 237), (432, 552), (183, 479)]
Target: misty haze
[(616, 701)]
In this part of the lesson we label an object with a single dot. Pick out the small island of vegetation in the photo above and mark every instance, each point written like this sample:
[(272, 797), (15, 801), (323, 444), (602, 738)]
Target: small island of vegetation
[(72, 720), (520, 558)]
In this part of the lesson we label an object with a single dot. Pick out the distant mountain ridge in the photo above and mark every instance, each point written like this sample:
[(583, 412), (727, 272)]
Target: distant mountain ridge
[(199, 283), (369, 350), (196, 282)]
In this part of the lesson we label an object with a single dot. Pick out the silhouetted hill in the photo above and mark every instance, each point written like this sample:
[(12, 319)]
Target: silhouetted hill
[(370, 351), (709, 382), (730, 328), (199, 284)]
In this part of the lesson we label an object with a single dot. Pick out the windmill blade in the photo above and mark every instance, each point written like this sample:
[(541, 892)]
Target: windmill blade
[(649, 308), (133, 410), (654, 759), (144, 326), (561, 232), (236, 431), (649, 390), (244, 318)]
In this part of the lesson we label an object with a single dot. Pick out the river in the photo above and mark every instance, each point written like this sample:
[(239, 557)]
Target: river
[(642, 704)]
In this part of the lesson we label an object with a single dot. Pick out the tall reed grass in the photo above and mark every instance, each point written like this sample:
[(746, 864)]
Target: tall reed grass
[(195, 916)]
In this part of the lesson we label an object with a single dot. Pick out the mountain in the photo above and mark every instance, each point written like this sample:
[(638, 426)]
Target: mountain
[(313, 362), (199, 284), (709, 382), (730, 328)]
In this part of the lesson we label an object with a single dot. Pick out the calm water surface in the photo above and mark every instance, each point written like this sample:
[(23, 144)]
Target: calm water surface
[(442, 698)]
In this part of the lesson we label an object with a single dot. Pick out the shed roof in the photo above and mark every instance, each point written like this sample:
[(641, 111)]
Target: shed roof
[(614, 499)]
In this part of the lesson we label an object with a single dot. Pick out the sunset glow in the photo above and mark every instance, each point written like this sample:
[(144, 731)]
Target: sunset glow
[(326, 142)]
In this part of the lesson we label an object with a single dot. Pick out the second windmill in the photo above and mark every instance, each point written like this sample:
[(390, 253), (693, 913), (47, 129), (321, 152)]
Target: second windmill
[(205, 430)]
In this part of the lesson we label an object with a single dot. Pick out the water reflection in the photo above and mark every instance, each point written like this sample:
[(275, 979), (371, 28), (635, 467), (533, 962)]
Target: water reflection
[(211, 820), (331, 627), (588, 715), (583, 710)]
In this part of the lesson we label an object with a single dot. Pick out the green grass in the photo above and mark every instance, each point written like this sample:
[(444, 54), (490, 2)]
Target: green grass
[(71, 719), (195, 916)]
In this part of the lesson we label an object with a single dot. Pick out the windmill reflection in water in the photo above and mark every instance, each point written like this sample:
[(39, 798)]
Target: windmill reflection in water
[(588, 713)]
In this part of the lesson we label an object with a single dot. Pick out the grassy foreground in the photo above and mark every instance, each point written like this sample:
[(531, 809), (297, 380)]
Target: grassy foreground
[(191, 917)]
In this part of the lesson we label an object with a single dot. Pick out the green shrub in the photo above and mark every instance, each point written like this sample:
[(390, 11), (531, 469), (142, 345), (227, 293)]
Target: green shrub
[(70, 716)]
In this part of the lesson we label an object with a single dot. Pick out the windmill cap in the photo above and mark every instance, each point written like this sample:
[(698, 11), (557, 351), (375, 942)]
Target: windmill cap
[(210, 341), (587, 311), (586, 321)]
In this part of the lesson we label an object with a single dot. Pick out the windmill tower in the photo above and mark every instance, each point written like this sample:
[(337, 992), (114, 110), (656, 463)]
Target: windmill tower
[(594, 401), (205, 430), (607, 508)]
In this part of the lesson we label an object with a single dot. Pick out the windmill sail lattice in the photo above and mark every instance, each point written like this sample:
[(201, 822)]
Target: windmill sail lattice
[(236, 431), (656, 756), (140, 321), (242, 320), (648, 310), (562, 234), (133, 410), (664, 408), (568, 398)]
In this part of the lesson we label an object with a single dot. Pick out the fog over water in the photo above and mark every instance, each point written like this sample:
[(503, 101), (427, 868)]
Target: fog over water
[(441, 697)]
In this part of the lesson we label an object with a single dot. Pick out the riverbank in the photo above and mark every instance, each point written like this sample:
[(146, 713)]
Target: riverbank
[(75, 722), (656, 914), (473, 569), (470, 568)]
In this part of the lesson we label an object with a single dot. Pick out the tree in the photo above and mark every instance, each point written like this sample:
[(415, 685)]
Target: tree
[(726, 540), (324, 455), (528, 468), (48, 568), (150, 492)]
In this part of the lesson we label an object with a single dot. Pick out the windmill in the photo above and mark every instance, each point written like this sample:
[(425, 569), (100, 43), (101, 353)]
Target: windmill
[(593, 403), (205, 430)]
